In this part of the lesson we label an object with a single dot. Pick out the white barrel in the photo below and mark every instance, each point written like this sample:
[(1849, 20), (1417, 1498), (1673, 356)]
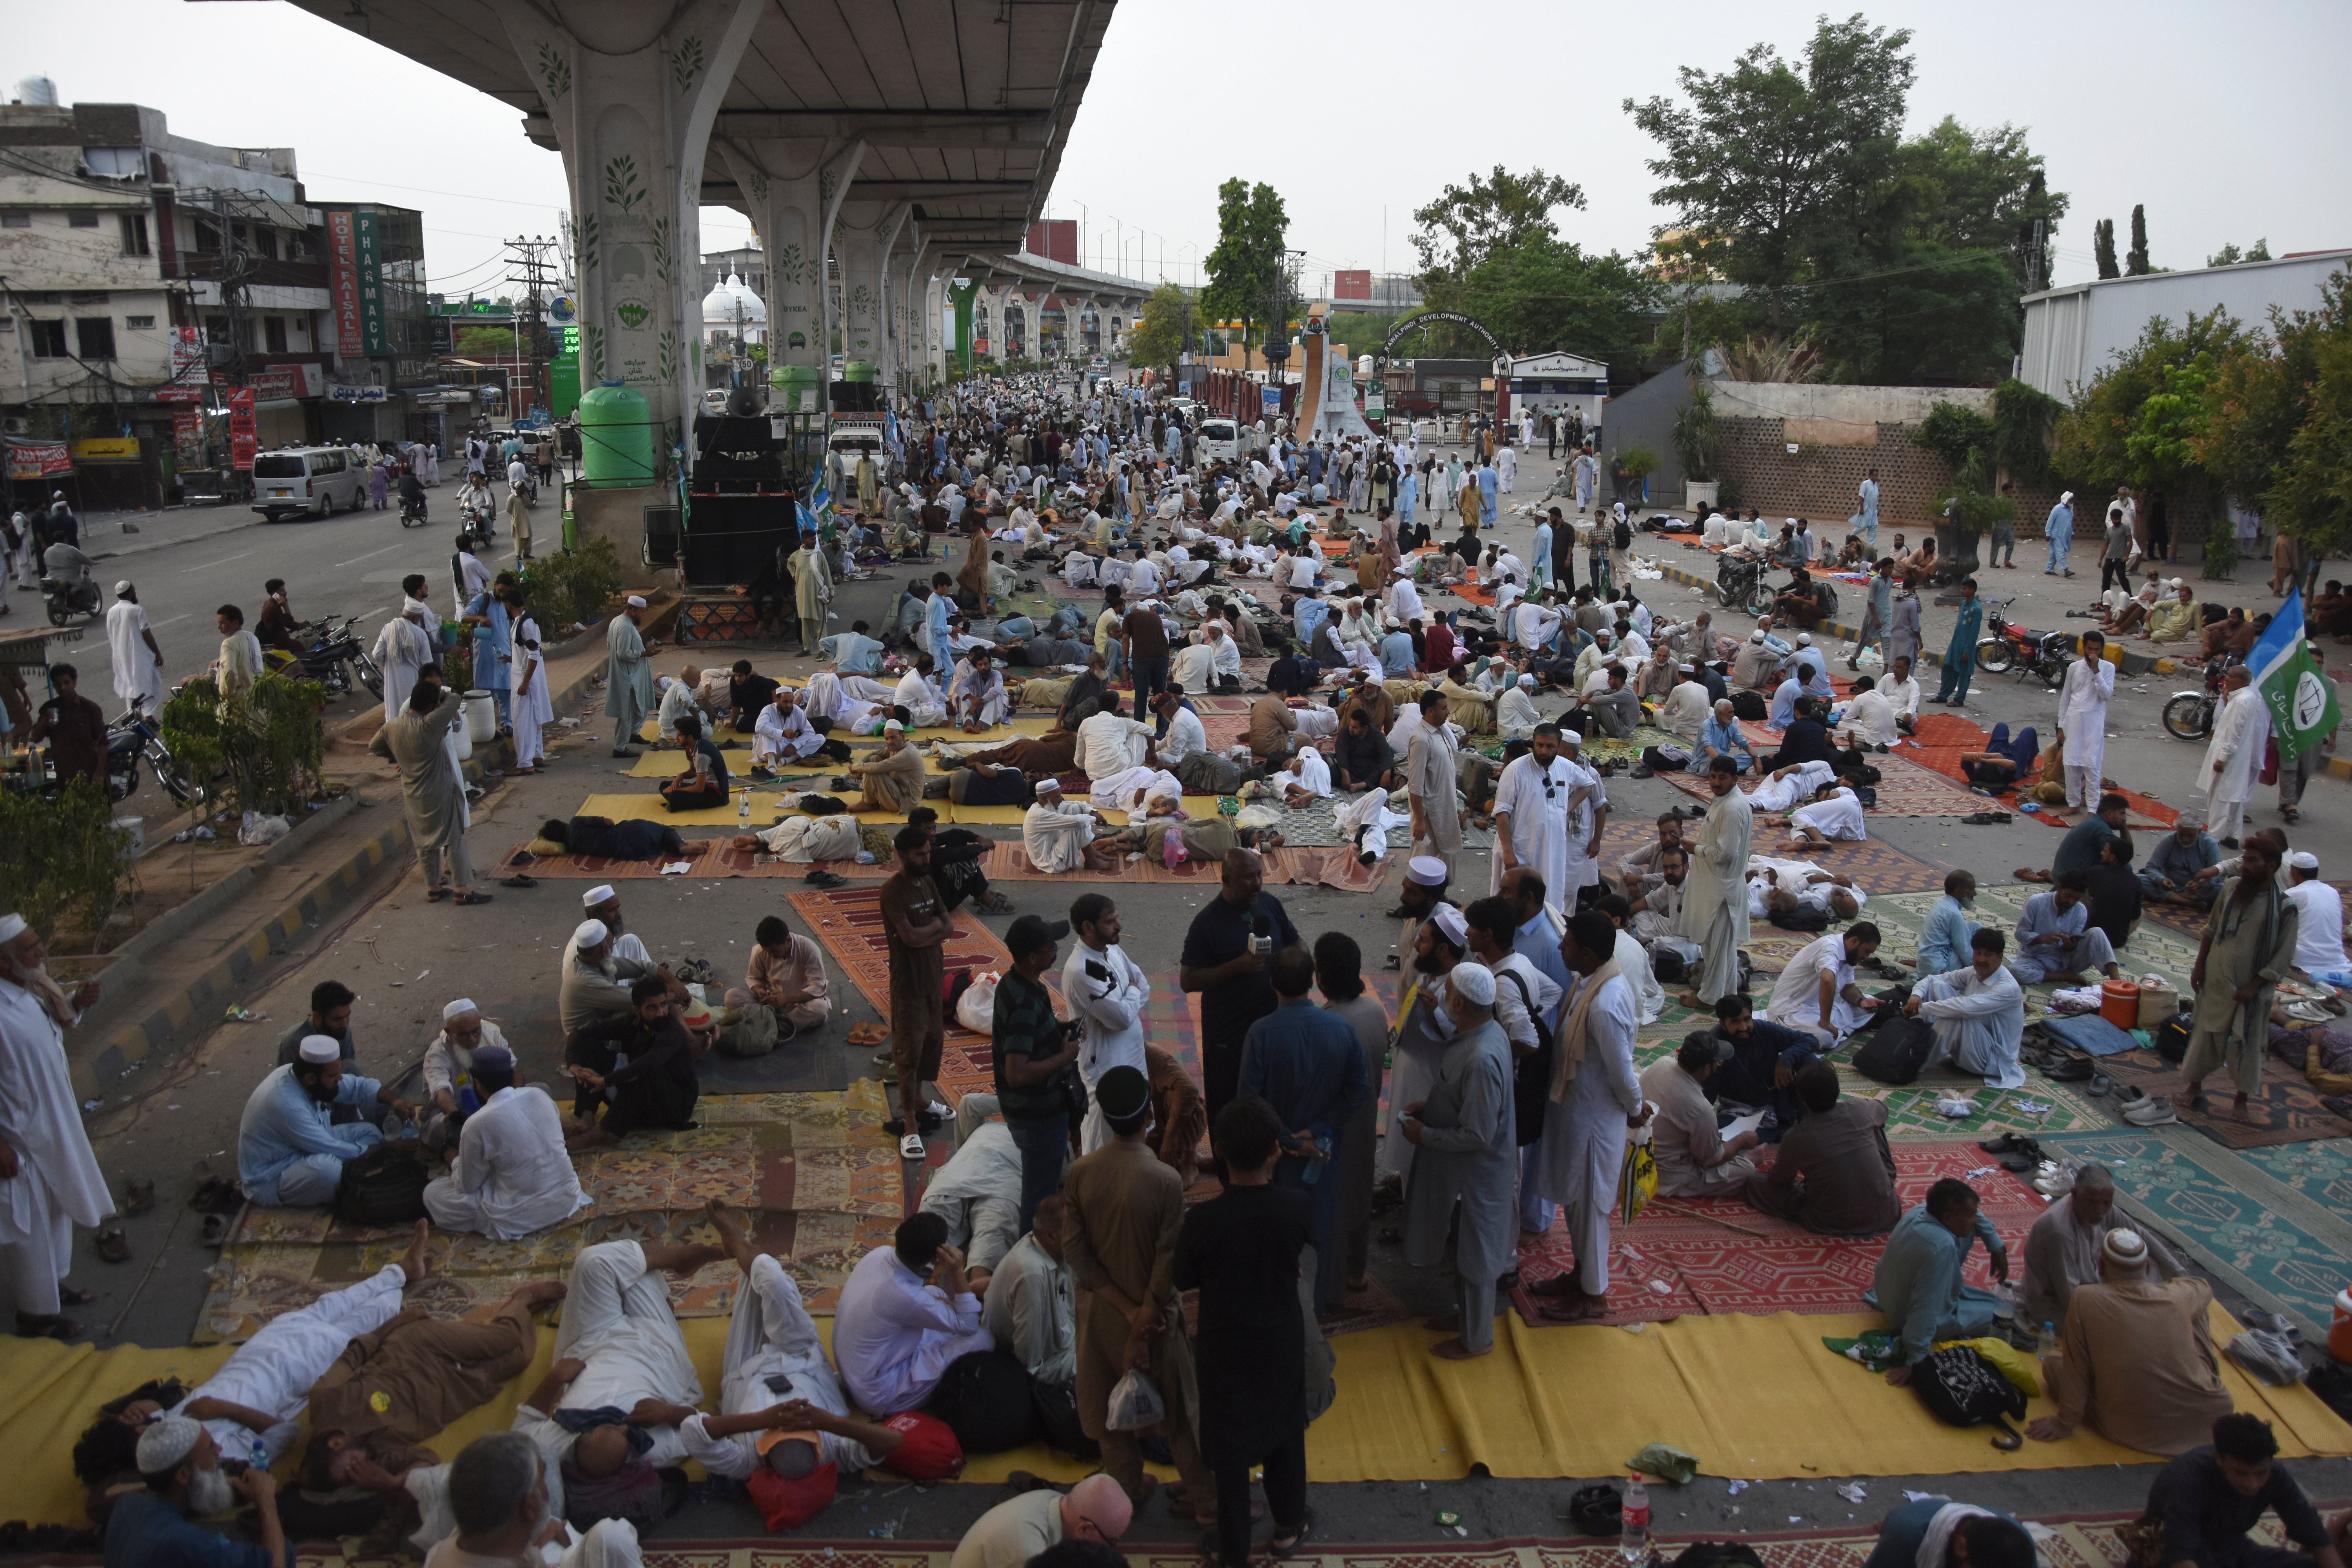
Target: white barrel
[(481, 718)]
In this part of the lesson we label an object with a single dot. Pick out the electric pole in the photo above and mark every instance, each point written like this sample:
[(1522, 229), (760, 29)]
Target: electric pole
[(533, 264)]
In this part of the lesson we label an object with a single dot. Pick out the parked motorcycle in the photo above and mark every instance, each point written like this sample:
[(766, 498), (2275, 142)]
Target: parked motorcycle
[(2189, 715), (68, 596), (2012, 645), (332, 656), (1740, 584), (130, 740)]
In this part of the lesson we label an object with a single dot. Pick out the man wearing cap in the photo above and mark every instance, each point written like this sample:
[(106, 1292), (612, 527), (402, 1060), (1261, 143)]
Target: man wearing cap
[(782, 734), (783, 1426), (289, 1150), (433, 792), (917, 926), (2062, 1250), (512, 1176), (1515, 710), (1059, 839), (49, 1179), (1121, 1212), (628, 676), (1715, 894), (2319, 926), (1693, 1158), (1226, 952), (1593, 1102), (1465, 1160), (138, 662), (404, 646), (599, 964), (2136, 1358), (449, 1088), (180, 1462)]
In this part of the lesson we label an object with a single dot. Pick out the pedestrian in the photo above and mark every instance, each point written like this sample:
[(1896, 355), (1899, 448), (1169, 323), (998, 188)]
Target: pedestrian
[(1227, 954), (1863, 524), (1241, 1251), (1035, 1055), (1960, 653), (48, 1177), (2115, 561), (2003, 549), (1459, 1194), (2248, 943), (917, 926), (1715, 891), (519, 521), (532, 707), (1594, 1102), (2233, 758), (138, 661), (1305, 1063), (1108, 992), (628, 677), (432, 789), (2059, 528)]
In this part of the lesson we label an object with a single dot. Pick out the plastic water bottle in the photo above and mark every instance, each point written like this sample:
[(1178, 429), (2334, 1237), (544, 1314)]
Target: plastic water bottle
[(2045, 1344), (1633, 1540), (744, 810)]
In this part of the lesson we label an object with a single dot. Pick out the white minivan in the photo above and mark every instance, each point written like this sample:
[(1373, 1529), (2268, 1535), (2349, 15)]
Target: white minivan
[(314, 480), (1219, 441)]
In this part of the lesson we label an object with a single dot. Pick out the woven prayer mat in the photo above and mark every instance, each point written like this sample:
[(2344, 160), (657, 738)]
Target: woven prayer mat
[(814, 1175), (2269, 1221), (1905, 789), (1717, 1255), (2285, 1109)]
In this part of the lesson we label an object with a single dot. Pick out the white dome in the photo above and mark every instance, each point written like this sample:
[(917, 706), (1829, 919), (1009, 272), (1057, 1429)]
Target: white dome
[(719, 305)]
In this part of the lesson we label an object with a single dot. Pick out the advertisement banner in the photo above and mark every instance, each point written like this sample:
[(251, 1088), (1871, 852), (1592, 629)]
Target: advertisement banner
[(107, 449), (188, 438), (188, 371), (285, 381), (243, 439), (373, 335), (39, 460), (343, 279), (1270, 400)]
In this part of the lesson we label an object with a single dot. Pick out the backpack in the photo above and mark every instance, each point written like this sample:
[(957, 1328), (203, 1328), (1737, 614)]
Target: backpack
[(1530, 1074), (751, 1032), (1749, 705), (2171, 1038), (383, 1187), (1895, 1052), (1961, 1387), (1623, 535), (1718, 1554), (1804, 917), (821, 805)]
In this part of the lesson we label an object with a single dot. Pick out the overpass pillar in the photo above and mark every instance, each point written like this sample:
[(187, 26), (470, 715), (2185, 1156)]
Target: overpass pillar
[(794, 188), (864, 235), (901, 293), (632, 91)]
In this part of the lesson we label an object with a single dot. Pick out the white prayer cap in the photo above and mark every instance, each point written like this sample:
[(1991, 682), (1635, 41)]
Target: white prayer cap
[(600, 893), (462, 1004), (411, 608), (588, 935), (892, 726), (1473, 983), (1047, 785), (2067, 499), (2125, 1247), (1427, 870), (1804, 639), (1569, 737), (1450, 924), (1527, 680), (1756, 636), (122, 587), (320, 1049), (636, 602), (2304, 860), (12, 926), (167, 1442)]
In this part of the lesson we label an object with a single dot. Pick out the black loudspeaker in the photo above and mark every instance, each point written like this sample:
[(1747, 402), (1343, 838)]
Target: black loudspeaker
[(728, 537)]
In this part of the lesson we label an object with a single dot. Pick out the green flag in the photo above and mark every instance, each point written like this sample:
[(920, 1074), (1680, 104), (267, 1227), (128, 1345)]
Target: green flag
[(2301, 701)]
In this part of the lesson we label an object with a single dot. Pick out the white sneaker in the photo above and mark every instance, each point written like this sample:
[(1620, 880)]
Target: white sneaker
[(2153, 1111)]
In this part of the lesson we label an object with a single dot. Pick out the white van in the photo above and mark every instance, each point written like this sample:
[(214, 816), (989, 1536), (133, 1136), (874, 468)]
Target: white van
[(314, 480), (1219, 441)]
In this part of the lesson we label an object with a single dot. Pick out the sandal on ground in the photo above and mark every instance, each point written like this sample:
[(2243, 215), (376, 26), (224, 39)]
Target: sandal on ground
[(434, 895), (518, 880), (137, 1197), (910, 1147), (74, 1296), (1276, 1547), (472, 896), (112, 1246), (996, 903)]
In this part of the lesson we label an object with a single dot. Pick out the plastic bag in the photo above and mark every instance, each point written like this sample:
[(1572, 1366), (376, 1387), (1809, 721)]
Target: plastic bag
[(1135, 1404), (1638, 1183), (976, 1008), (257, 829)]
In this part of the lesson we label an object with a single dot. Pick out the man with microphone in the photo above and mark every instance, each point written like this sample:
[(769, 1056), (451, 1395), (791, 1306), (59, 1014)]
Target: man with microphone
[(1227, 957)]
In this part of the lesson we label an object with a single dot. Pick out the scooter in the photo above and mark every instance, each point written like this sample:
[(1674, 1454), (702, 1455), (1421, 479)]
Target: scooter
[(2189, 715), (67, 598), (2011, 645)]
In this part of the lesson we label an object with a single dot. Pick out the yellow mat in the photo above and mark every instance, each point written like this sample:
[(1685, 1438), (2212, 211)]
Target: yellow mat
[(667, 764), (1753, 1397), (766, 807), (1011, 729)]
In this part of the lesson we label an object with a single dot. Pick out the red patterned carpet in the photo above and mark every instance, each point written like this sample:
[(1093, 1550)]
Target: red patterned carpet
[(1716, 1256), (1905, 789)]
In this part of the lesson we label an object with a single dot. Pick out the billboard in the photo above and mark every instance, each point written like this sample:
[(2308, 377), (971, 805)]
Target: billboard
[(1056, 240), (1352, 288)]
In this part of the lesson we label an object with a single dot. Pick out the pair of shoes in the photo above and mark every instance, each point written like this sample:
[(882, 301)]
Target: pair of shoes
[(868, 1034), (2074, 1069), (2151, 1110), (1640, 772), (826, 879)]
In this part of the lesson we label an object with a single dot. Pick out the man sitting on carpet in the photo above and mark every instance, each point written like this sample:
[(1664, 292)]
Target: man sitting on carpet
[(599, 964), (1694, 1159), (2062, 1250), (1918, 1283), (512, 1176), (894, 1332), (1817, 993), (783, 735), (786, 973), (702, 783), (1030, 1308), (601, 838), (1060, 838), (2168, 875), (1834, 1172), (892, 782), (289, 1152), (637, 1067), (2056, 942), (1936, 1532), (1978, 1014), (784, 1427), (976, 699), (2135, 1360), (2208, 1500)]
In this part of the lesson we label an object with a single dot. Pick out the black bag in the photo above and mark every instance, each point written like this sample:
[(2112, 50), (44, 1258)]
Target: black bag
[(1961, 1388), (985, 1398), (1749, 705), (1530, 1075), (2171, 1038), (1896, 1050), (836, 750), (1004, 786), (1621, 536), (822, 804), (1804, 917), (1597, 1510), (383, 1187), (1666, 964), (1866, 796), (1890, 1007), (1664, 759), (1718, 1554), (1056, 1407)]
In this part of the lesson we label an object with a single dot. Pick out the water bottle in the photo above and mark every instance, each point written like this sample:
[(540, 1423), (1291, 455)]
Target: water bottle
[(744, 810), (1633, 1540), (2045, 1344)]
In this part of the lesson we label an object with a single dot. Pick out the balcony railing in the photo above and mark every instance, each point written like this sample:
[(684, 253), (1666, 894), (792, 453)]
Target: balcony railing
[(206, 267)]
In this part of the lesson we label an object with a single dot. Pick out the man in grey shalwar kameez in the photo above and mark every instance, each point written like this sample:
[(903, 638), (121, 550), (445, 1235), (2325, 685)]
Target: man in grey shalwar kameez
[(1466, 1155), (1715, 893), (431, 787), (628, 678), (1430, 780), (2248, 947)]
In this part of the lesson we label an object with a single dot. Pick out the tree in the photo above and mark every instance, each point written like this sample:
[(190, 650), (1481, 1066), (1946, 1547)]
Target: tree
[(1978, 190), (2136, 258), (1242, 268), (2231, 256), (483, 343), (1765, 166), (1546, 293), (1158, 334), (2103, 247), (1468, 224), (2279, 436), (1928, 311)]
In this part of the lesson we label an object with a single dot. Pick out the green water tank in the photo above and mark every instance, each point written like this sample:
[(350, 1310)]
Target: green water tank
[(616, 436), (857, 370), (799, 388)]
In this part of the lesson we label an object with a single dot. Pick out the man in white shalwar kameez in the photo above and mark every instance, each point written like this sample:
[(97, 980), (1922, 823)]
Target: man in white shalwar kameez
[(1059, 837), (1586, 822), (1817, 993), (2233, 760), (1515, 710), (402, 647), (1536, 801), (1783, 788), (1715, 894), (919, 695), (138, 663), (2082, 697), (49, 1180), (1594, 1102), (512, 1176), (1978, 1014), (784, 732)]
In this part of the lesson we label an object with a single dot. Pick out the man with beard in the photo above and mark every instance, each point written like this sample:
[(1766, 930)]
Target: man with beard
[(180, 1464), (289, 1152), (49, 1179), (637, 1066), (496, 1505)]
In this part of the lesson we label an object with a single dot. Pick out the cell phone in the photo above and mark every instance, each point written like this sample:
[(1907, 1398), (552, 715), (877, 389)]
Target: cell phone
[(1097, 970), (779, 1382)]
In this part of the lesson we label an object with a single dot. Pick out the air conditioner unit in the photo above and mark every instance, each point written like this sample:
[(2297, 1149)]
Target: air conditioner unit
[(16, 425)]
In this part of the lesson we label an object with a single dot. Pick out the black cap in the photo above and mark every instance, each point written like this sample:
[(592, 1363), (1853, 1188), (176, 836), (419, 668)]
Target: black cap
[(1030, 933), (1122, 1092)]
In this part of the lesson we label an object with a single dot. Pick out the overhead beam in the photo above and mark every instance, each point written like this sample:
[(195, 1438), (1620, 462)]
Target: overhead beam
[(882, 128)]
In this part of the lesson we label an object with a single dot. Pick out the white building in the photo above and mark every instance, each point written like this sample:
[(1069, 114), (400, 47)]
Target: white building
[(1560, 382), (733, 319), (2072, 333)]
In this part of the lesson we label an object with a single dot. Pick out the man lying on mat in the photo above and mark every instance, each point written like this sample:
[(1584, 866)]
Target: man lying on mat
[(601, 838)]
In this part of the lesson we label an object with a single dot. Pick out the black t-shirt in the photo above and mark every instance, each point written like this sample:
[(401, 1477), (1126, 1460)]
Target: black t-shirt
[(749, 693), (1219, 934), (2115, 900), (1241, 1251), (630, 840)]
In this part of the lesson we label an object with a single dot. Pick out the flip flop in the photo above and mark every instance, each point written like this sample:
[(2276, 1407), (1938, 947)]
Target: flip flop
[(910, 1147), (112, 1245), (518, 880), (473, 896)]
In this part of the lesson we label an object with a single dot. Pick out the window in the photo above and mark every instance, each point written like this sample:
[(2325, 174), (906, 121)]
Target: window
[(114, 163), (15, 220), (82, 220), (208, 239), (49, 340), (134, 234), (139, 323), (273, 333), (95, 336)]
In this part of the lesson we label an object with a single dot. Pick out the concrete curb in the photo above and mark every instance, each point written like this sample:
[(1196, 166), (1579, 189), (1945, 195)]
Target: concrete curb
[(142, 549)]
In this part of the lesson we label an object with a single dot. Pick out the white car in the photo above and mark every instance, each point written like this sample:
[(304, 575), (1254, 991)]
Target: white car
[(1219, 441)]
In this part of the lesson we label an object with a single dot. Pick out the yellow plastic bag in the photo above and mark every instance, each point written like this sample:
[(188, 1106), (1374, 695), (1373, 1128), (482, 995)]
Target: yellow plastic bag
[(1638, 1183), (2014, 1363)]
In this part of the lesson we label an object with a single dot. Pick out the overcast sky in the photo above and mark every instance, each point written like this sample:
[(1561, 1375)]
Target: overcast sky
[(2227, 121)]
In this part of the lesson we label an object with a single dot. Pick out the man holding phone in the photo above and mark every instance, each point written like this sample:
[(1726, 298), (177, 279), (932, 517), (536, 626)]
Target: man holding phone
[(1226, 954), (1035, 1052), (1108, 991)]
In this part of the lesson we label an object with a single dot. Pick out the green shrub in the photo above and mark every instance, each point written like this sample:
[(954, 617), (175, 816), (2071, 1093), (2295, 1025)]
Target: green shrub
[(67, 866), (269, 738), (571, 587), (1697, 439), (1635, 462)]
